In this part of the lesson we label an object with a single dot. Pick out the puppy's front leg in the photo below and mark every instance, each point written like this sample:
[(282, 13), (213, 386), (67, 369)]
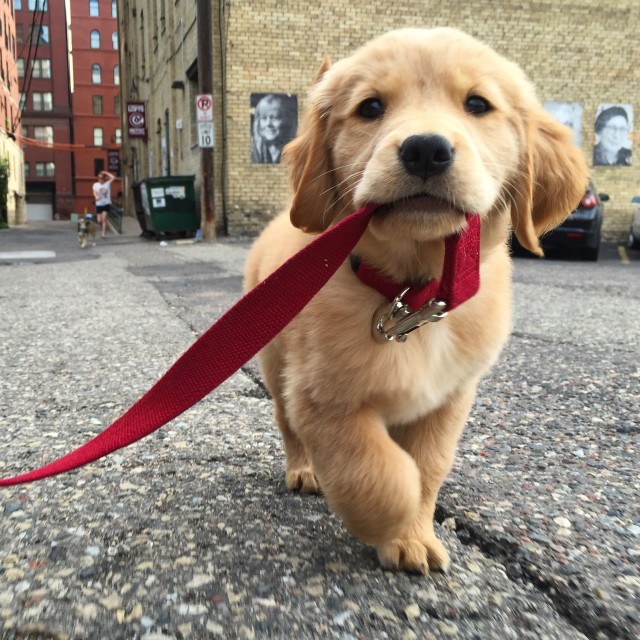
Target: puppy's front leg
[(432, 443), (368, 480)]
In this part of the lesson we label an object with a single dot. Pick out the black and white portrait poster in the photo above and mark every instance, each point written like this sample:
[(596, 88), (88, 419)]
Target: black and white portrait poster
[(612, 127), (570, 115), (274, 121)]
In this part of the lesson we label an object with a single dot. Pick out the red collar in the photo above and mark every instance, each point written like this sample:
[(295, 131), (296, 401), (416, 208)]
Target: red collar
[(460, 278)]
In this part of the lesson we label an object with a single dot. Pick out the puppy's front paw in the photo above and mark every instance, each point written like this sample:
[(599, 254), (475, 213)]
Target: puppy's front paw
[(303, 480), (413, 555)]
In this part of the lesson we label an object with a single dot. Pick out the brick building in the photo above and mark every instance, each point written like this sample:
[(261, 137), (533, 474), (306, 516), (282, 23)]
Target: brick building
[(96, 96), (580, 53), (10, 150), (43, 70)]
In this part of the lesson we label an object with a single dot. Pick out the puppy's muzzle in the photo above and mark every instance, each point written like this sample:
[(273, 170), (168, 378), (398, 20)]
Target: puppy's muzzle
[(426, 155)]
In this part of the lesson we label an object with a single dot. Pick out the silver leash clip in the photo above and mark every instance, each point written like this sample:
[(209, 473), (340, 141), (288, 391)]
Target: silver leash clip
[(399, 321)]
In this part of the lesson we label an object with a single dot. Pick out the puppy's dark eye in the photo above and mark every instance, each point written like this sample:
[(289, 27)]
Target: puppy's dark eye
[(477, 106), (371, 109)]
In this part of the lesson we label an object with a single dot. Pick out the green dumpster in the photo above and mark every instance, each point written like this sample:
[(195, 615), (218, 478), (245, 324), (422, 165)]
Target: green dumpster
[(169, 204)]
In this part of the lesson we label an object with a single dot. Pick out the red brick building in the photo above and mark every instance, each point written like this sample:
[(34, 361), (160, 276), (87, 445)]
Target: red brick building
[(97, 129), (9, 97), (44, 121)]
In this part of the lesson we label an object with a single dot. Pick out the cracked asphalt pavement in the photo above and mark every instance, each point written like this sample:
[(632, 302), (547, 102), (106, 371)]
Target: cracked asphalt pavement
[(191, 533)]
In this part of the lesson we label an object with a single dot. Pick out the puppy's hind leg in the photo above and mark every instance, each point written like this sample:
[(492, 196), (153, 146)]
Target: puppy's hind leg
[(299, 473)]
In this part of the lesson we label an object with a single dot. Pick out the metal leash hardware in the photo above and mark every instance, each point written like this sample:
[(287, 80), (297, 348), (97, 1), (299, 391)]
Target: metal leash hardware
[(404, 321)]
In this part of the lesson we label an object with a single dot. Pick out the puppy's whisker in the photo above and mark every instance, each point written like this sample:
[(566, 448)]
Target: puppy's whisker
[(334, 169)]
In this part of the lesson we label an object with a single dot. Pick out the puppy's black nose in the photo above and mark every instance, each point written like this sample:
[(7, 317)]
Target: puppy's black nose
[(426, 156)]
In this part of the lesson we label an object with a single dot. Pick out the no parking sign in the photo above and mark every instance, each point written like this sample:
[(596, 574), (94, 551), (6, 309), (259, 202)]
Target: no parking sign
[(204, 108)]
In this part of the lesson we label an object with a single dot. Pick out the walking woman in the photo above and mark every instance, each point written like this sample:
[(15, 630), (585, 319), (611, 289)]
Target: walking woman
[(102, 195)]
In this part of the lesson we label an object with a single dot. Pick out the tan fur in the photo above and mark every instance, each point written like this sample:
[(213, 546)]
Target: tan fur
[(374, 425)]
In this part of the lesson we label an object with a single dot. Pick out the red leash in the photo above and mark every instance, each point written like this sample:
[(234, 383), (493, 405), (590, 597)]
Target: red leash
[(228, 344)]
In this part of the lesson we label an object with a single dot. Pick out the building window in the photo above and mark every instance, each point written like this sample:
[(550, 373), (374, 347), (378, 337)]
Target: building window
[(23, 101), (116, 105), (25, 131), (42, 101), (42, 68), (114, 39), (96, 74), (37, 5), (27, 170), (19, 33), (95, 39), (20, 65), (98, 136), (94, 8), (118, 136), (97, 105), (114, 9), (39, 34), (116, 75), (45, 169), (43, 134)]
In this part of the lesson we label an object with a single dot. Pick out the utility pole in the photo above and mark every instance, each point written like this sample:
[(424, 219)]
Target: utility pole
[(205, 86)]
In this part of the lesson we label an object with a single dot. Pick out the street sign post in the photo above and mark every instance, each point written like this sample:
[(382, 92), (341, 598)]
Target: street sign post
[(204, 117)]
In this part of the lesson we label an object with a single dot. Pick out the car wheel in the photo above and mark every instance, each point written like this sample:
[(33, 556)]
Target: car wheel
[(632, 241), (591, 253)]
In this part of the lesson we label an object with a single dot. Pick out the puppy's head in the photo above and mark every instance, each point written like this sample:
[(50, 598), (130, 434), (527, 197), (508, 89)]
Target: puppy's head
[(431, 124)]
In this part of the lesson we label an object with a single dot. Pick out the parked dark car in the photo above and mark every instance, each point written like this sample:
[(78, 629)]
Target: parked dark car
[(581, 230), (633, 241)]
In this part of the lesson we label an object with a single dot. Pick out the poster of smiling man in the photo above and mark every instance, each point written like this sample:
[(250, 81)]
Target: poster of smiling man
[(274, 121), (613, 125), (570, 115)]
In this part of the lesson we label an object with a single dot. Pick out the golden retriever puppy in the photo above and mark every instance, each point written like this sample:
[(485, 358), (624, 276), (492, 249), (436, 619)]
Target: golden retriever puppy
[(431, 125)]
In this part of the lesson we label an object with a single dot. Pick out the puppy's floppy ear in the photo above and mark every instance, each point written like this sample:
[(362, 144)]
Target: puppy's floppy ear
[(310, 167), (553, 177)]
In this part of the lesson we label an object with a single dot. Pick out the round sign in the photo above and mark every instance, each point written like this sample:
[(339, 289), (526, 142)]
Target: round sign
[(204, 103), (136, 119)]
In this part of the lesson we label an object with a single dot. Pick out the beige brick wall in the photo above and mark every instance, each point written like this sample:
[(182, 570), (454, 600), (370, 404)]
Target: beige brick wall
[(583, 51), (16, 201)]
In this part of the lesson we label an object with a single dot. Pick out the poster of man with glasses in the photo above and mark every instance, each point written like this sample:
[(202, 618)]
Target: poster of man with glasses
[(613, 125)]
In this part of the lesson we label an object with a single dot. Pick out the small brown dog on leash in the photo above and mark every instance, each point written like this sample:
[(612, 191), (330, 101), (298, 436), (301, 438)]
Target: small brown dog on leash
[(86, 228), (431, 125)]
